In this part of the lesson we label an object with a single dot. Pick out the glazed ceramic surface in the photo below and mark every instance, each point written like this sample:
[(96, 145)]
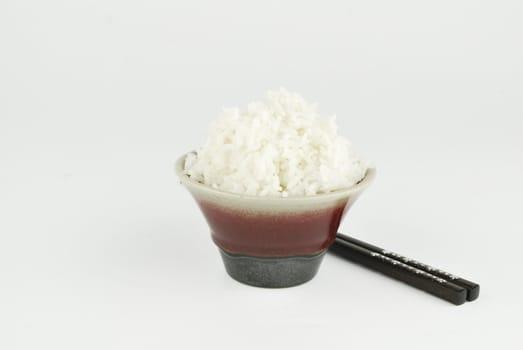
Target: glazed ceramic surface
[(268, 226)]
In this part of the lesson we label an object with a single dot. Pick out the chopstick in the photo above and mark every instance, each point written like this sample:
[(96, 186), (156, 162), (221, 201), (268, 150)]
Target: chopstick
[(429, 279)]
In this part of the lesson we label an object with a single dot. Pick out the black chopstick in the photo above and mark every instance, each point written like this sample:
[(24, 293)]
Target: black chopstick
[(434, 281), (471, 287)]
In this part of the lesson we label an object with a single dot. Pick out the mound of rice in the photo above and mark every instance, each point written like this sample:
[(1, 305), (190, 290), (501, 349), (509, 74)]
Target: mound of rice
[(280, 147)]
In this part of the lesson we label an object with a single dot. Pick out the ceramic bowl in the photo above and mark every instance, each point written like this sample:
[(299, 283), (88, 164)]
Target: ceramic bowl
[(271, 241)]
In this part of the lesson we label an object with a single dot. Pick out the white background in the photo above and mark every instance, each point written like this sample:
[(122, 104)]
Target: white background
[(101, 248)]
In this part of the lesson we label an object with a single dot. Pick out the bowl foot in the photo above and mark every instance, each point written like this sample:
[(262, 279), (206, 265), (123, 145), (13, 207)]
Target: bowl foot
[(271, 272)]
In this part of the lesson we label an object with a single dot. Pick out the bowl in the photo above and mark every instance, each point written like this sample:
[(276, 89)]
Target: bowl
[(272, 242)]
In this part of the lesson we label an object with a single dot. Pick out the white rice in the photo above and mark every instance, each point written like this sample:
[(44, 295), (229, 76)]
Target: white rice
[(280, 147)]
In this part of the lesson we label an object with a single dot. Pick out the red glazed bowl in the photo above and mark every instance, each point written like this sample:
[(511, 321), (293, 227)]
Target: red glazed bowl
[(272, 241)]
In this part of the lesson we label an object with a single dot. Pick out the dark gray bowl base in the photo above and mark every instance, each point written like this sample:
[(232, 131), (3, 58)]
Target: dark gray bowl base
[(271, 272)]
